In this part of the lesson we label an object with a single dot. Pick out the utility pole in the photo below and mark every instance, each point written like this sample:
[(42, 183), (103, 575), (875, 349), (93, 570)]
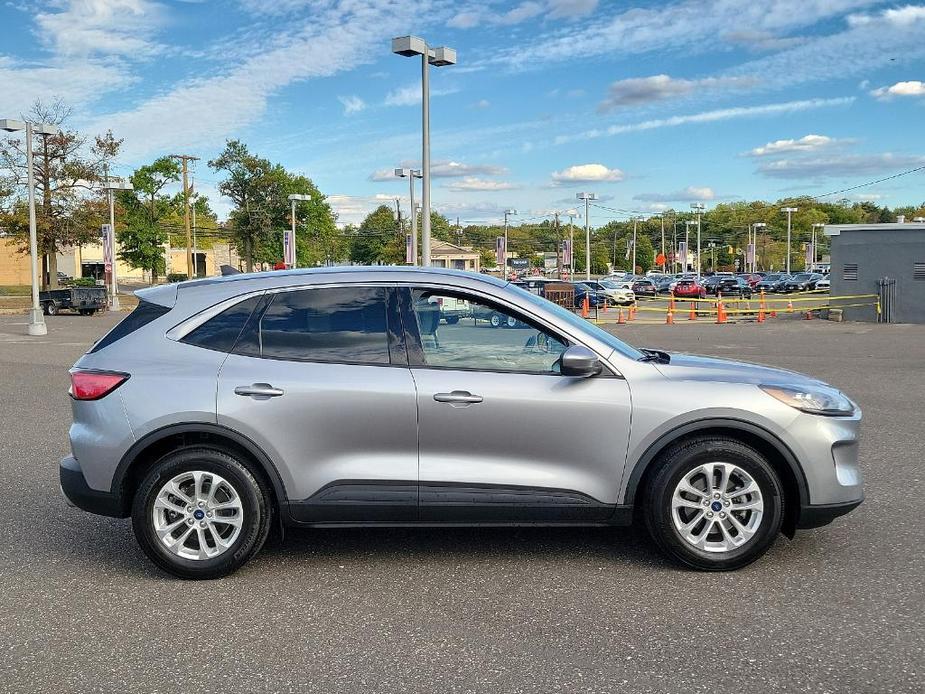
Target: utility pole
[(664, 258), (558, 246), (186, 158), (634, 244), (789, 211), (588, 197)]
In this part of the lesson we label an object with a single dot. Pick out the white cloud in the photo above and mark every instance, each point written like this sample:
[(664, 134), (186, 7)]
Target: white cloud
[(477, 14), (473, 183), (101, 27), (707, 117), (642, 90), (482, 103), (910, 88), (689, 194), (204, 111), (410, 95), (586, 173), (352, 104), (763, 41), (570, 9), (840, 166), (807, 143), (897, 16)]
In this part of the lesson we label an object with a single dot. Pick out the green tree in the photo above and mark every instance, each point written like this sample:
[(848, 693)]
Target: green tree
[(142, 237), (377, 240), (69, 169)]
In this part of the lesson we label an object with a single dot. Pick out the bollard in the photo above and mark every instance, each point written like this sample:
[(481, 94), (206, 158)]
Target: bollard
[(761, 313), (693, 314), (669, 317), (620, 319), (586, 307)]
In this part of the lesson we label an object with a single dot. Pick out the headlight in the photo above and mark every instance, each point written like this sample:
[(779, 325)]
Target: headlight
[(814, 399)]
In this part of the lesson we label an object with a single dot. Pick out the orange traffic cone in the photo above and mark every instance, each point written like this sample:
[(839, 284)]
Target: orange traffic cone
[(586, 307), (789, 306), (620, 319), (720, 312), (773, 313), (631, 314), (693, 314), (605, 305), (761, 313), (669, 317)]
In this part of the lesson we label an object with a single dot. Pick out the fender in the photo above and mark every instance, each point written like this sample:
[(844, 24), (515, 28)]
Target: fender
[(244, 442), (697, 425)]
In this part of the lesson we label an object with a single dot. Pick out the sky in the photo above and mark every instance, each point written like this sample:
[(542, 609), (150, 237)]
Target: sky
[(649, 105)]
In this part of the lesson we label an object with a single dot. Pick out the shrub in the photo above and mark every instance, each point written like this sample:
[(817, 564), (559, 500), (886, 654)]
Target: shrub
[(176, 277)]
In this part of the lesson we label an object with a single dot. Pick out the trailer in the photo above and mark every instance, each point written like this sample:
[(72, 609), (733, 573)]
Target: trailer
[(84, 300)]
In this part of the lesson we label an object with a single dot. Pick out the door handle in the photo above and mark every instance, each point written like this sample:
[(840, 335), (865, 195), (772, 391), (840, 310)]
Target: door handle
[(259, 391), (458, 397)]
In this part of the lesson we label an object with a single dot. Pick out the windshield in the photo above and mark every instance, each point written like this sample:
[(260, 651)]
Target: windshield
[(581, 324), (609, 284), (802, 276)]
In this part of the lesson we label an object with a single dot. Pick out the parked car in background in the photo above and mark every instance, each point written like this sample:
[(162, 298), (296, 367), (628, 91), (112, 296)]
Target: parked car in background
[(752, 278), (802, 282), (689, 289), (623, 280), (664, 284), (645, 287), (824, 283), (773, 282), (535, 284), (595, 298), (614, 292), (223, 408), (730, 286)]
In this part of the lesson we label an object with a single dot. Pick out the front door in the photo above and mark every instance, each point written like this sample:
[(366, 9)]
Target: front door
[(320, 383), (503, 436)]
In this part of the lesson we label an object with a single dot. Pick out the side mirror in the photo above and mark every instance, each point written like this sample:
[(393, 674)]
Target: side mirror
[(579, 361)]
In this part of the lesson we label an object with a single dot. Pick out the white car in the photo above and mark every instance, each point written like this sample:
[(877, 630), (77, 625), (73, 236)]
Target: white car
[(614, 291), (623, 281), (824, 283)]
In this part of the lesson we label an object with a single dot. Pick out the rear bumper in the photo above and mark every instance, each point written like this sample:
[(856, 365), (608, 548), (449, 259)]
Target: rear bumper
[(78, 493), (817, 516)]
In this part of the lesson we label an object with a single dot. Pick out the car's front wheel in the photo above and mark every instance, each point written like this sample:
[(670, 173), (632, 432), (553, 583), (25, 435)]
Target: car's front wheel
[(714, 504), (199, 513)]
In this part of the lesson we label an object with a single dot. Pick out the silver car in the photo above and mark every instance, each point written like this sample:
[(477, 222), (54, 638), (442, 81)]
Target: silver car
[(223, 408)]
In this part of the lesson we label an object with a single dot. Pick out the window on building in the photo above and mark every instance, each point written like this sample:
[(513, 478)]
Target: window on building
[(918, 271)]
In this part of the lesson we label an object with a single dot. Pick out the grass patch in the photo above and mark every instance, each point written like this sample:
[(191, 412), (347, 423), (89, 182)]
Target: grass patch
[(15, 290)]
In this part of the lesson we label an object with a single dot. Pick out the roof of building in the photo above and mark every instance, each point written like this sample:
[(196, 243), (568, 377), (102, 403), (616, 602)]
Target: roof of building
[(836, 229), (446, 248)]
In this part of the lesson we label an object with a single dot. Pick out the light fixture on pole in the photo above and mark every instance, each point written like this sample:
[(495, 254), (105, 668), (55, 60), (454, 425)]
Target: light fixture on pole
[(36, 325), (698, 207), (293, 199), (412, 174), (820, 226), (410, 46), (587, 197), (754, 243), (789, 211), (111, 186)]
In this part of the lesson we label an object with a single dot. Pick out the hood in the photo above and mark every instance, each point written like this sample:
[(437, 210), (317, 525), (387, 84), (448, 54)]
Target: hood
[(688, 367)]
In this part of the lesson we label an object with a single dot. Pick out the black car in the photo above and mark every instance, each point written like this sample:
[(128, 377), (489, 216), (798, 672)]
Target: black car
[(645, 287), (729, 286), (773, 282), (802, 282), (663, 284)]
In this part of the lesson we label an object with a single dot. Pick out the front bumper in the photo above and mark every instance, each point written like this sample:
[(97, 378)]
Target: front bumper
[(78, 493)]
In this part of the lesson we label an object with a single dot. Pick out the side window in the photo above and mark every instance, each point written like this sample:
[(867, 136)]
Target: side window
[(221, 332), (459, 332), (336, 324)]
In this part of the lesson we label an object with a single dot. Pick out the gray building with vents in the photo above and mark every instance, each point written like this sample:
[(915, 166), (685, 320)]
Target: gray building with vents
[(885, 259)]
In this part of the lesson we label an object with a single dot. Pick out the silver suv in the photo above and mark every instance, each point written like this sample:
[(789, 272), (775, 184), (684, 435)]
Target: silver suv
[(222, 408)]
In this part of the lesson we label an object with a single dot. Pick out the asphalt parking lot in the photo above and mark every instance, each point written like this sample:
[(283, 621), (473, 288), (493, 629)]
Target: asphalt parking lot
[(838, 609)]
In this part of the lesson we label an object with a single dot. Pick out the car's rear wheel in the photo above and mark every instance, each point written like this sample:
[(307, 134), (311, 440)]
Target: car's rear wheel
[(199, 513), (714, 504)]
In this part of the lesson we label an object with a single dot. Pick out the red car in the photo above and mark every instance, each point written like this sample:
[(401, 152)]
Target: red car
[(689, 289), (752, 279)]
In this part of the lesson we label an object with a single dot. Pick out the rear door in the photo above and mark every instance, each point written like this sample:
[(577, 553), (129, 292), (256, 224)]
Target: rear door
[(319, 380), (504, 437)]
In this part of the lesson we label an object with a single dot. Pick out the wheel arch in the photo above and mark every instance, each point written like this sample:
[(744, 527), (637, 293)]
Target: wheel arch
[(153, 446), (776, 451)]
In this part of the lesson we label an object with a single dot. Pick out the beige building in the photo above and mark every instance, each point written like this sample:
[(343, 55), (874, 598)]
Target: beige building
[(448, 255)]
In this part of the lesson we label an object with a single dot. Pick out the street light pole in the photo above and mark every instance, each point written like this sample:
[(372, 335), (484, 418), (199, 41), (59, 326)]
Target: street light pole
[(571, 241), (111, 187), (816, 226), (789, 211), (410, 46), (688, 223), (755, 227), (411, 174), (506, 214), (587, 197), (294, 198), (698, 208), (36, 325), (634, 245)]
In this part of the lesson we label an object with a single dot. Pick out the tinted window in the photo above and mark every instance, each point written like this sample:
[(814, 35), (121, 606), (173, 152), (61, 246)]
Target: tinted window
[(143, 314), (221, 332), (340, 324), (488, 339)]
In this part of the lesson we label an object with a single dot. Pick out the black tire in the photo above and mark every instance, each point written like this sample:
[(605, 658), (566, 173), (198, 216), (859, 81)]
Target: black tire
[(51, 308), (255, 500), (681, 459), (452, 320), (495, 320)]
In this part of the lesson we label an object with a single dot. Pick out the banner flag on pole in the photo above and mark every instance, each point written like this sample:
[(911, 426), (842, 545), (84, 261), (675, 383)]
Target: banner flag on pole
[(107, 247), (500, 251)]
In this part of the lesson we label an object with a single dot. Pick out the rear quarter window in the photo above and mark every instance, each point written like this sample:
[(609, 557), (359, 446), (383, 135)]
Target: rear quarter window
[(144, 313), (221, 332)]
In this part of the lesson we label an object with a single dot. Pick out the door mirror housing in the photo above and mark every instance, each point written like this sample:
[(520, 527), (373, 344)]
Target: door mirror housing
[(579, 361)]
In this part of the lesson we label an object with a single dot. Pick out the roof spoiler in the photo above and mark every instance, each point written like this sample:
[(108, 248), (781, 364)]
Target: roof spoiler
[(162, 295), (229, 270)]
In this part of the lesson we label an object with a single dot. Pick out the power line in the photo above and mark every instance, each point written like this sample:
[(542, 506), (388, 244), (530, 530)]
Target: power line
[(869, 183)]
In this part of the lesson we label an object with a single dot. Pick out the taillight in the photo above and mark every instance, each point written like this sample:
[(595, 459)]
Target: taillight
[(93, 385)]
